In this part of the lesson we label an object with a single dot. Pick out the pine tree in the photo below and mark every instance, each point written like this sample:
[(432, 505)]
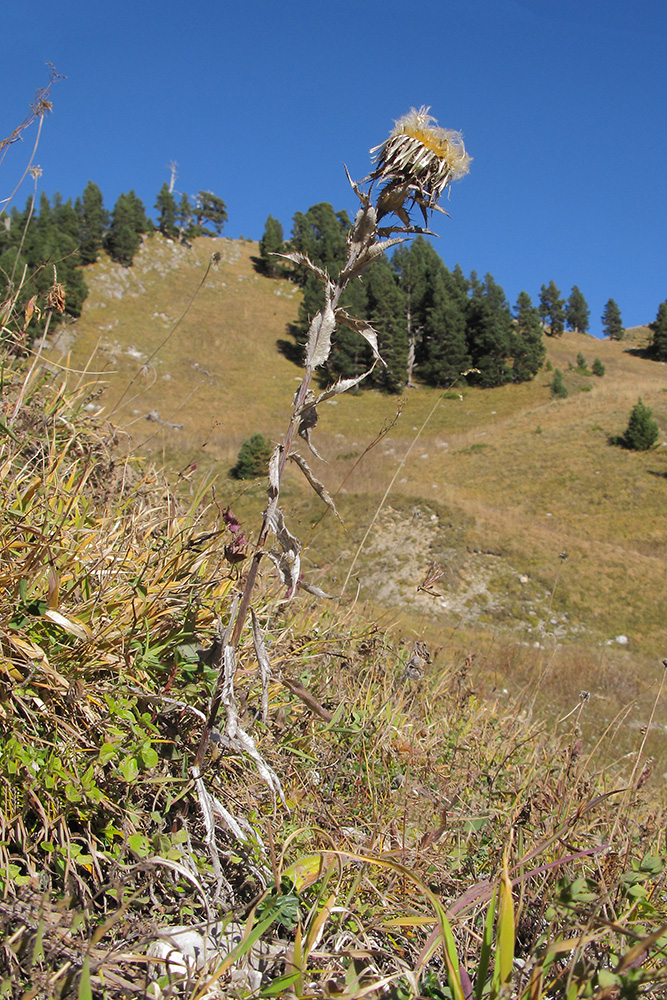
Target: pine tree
[(552, 309), (321, 235), (489, 333), (577, 312), (444, 348), (210, 210), (44, 246), (55, 244), (420, 268), (93, 222), (558, 387), (642, 431), (272, 242), (386, 314), (184, 219), (253, 458), (165, 205), (659, 334), (128, 223), (527, 342), (612, 325)]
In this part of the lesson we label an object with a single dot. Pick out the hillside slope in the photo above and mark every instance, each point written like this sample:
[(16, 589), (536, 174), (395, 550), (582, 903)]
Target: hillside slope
[(535, 526)]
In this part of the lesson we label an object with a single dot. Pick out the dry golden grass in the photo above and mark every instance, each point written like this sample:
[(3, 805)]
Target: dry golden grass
[(528, 476), (410, 794)]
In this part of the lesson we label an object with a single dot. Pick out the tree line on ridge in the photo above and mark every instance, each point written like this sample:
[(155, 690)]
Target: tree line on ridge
[(434, 323)]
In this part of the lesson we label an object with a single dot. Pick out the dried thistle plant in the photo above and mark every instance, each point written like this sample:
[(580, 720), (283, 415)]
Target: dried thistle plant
[(413, 168)]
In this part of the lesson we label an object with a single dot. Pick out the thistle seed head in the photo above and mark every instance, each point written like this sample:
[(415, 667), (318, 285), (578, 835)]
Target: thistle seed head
[(418, 161)]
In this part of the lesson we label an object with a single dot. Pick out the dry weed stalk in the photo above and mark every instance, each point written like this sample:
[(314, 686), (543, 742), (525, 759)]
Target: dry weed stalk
[(413, 167)]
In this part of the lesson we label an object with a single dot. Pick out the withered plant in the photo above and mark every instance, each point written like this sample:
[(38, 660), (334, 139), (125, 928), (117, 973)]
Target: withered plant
[(412, 170)]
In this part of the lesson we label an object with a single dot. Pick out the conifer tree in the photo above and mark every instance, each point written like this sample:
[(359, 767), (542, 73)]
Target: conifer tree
[(184, 219), (44, 246), (209, 210), (445, 354), (420, 268), (552, 309), (93, 222), (558, 387), (489, 333), (659, 334), (166, 208), (321, 234), (527, 342), (272, 242), (577, 312), (642, 430), (612, 324), (386, 314), (128, 223)]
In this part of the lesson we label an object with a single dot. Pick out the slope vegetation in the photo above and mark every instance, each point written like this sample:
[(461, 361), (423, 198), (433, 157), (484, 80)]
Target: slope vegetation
[(510, 509)]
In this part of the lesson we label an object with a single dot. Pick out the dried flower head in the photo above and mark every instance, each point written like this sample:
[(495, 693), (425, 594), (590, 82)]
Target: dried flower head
[(417, 161), (56, 298)]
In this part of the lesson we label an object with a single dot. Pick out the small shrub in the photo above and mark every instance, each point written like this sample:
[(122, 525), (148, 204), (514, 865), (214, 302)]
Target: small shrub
[(642, 431), (558, 387), (253, 458), (598, 368), (549, 367), (581, 362)]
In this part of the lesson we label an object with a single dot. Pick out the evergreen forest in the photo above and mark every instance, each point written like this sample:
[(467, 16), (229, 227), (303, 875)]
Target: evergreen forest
[(435, 325)]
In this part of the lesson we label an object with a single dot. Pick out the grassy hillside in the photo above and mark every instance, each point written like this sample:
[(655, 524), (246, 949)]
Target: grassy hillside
[(537, 530), (373, 816)]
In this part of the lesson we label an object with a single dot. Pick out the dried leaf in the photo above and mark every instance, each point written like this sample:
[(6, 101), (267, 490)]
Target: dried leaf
[(319, 487), (342, 385), (362, 258), (287, 541), (315, 591), (318, 346), (263, 661), (297, 688), (228, 699), (289, 568), (274, 465), (70, 625), (302, 258), (361, 327), (242, 741)]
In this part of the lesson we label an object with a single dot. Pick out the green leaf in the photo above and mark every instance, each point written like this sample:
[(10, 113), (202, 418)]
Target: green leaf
[(106, 753), (485, 950), (505, 932), (139, 843), (129, 769), (282, 983), (652, 864), (148, 755), (85, 991)]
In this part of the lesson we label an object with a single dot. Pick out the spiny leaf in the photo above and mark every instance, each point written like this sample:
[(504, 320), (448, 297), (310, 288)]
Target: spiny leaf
[(361, 327), (318, 345), (319, 487)]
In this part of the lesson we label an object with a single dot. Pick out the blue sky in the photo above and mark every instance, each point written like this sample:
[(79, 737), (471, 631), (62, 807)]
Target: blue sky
[(562, 103)]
